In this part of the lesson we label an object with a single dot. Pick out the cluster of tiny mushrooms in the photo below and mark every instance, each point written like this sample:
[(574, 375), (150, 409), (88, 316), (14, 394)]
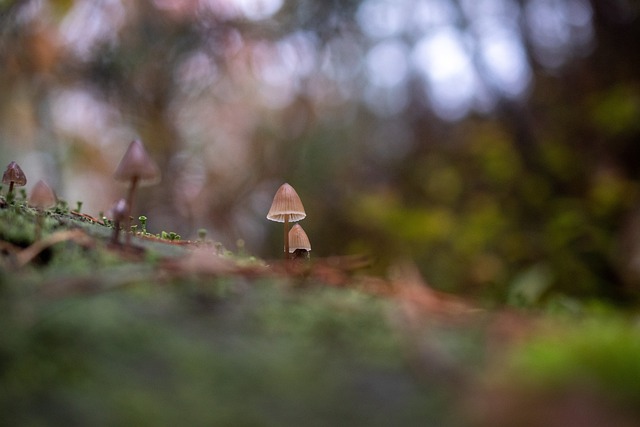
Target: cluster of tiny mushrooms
[(287, 207), (138, 169)]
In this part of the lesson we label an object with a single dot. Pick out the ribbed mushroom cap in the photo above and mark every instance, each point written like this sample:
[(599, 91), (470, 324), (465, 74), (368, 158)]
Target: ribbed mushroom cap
[(42, 196), (286, 202), (298, 239), (136, 163), (14, 174)]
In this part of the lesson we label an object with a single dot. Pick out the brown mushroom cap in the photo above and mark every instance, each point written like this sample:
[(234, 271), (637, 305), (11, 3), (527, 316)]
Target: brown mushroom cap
[(42, 196), (286, 202), (136, 164), (298, 239), (14, 174)]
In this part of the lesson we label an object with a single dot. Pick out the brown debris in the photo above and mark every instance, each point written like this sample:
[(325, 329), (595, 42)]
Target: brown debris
[(417, 300), (26, 255)]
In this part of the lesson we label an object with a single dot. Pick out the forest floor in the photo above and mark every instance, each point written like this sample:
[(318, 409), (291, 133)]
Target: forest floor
[(165, 332)]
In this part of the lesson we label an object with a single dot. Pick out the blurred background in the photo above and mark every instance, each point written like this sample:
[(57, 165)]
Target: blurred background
[(494, 142)]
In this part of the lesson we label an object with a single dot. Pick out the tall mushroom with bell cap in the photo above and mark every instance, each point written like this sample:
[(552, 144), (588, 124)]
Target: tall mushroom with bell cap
[(299, 244), (137, 168), (14, 175), (286, 207), (42, 197)]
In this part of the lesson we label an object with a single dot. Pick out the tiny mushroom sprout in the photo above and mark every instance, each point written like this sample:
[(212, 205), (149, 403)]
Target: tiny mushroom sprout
[(118, 213), (42, 197), (137, 168), (299, 244), (14, 175), (286, 207)]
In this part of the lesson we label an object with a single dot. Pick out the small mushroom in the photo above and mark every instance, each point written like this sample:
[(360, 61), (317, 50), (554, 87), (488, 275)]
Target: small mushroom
[(14, 175), (286, 207), (137, 168), (118, 213), (42, 197), (299, 244)]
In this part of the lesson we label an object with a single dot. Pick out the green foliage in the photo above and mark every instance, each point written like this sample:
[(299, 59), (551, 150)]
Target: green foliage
[(17, 224), (599, 352), (616, 111), (62, 207), (171, 236), (205, 354), (530, 285), (478, 218)]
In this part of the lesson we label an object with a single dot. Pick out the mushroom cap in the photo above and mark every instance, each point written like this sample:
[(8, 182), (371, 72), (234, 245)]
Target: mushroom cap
[(42, 196), (286, 202), (136, 163), (298, 239), (14, 174)]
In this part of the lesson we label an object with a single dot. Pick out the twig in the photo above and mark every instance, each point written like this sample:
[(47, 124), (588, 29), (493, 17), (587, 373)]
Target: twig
[(26, 255)]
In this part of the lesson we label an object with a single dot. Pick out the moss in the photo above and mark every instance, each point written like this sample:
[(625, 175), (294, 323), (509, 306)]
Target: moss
[(598, 352), (98, 334), (95, 335)]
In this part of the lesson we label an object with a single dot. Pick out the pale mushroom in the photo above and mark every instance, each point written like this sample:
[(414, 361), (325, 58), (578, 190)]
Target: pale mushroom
[(42, 197), (299, 244), (286, 207), (14, 175)]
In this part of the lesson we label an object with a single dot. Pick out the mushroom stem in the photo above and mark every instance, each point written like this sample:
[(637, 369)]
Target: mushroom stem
[(39, 225), (10, 188), (286, 236), (132, 189), (116, 232)]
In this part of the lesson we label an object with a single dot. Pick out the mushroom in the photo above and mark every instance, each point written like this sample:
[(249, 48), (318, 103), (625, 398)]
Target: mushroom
[(14, 175), (42, 197), (299, 244), (137, 168), (286, 207), (118, 213)]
